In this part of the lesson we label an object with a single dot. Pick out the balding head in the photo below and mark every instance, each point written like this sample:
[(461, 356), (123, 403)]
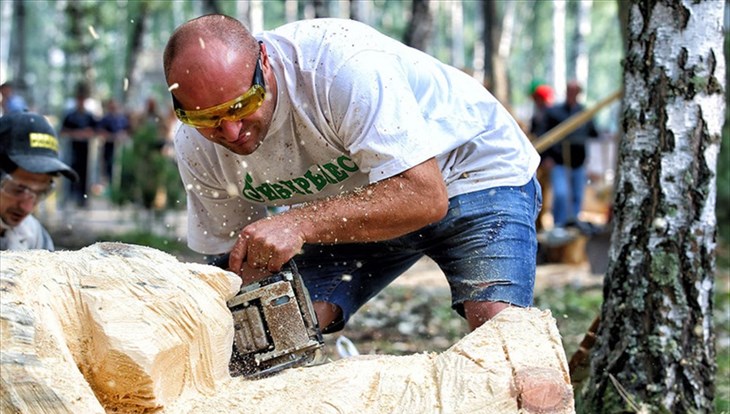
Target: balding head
[(208, 29)]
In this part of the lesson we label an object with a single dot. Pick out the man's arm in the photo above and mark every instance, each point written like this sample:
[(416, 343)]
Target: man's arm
[(383, 210)]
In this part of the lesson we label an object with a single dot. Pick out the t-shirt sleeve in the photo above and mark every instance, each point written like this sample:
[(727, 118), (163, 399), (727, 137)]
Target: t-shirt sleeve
[(377, 116)]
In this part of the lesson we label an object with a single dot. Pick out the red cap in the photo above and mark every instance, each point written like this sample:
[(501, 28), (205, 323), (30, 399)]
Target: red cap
[(545, 93)]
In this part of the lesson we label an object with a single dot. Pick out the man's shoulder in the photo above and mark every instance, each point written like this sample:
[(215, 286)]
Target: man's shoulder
[(341, 38)]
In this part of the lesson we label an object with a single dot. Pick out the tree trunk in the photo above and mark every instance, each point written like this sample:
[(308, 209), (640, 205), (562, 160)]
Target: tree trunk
[(291, 10), (579, 61), (456, 12), (123, 328), (655, 349), (211, 7), (360, 10), (136, 42), (79, 48), (490, 34), (420, 27), (321, 8), (501, 80), (18, 50)]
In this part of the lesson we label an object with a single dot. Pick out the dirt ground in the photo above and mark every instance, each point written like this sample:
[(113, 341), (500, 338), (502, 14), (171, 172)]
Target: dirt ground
[(426, 273)]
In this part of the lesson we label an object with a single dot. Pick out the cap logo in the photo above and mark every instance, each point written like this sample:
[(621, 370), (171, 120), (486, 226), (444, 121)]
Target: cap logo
[(41, 140)]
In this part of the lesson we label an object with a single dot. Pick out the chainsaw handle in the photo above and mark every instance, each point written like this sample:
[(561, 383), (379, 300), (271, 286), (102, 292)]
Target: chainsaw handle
[(222, 262)]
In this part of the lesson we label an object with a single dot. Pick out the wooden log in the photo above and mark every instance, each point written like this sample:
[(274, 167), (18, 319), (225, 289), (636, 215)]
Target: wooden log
[(123, 328)]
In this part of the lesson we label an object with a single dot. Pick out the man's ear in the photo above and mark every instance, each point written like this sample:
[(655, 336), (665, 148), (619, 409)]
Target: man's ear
[(264, 55)]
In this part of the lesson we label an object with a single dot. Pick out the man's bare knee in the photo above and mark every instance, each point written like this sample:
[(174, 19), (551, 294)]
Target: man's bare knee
[(326, 313), (479, 312)]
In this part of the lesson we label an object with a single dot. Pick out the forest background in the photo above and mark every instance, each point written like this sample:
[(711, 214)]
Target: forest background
[(114, 48)]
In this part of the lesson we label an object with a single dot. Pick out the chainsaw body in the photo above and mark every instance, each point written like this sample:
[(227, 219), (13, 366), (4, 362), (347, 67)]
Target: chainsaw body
[(275, 326)]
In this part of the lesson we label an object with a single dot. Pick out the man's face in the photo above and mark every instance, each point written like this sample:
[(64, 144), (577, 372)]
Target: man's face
[(205, 77), (20, 193)]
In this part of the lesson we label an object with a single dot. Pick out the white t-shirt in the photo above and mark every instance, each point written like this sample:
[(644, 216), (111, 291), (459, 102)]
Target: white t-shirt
[(353, 107), (29, 234)]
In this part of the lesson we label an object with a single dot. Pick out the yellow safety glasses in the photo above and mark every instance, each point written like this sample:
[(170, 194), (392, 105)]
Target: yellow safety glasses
[(233, 110)]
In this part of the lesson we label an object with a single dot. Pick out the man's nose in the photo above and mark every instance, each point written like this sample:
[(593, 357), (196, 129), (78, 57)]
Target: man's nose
[(28, 204), (229, 130)]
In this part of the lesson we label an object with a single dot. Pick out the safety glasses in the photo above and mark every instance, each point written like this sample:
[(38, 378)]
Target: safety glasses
[(233, 110), (18, 191)]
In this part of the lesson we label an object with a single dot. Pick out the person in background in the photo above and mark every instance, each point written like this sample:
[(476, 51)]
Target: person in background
[(113, 127), (79, 125), (542, 96), (11, 101), (567, 159), (384, 154), (29, 164)]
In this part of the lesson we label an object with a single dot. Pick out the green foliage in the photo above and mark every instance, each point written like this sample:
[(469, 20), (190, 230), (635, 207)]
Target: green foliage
[(149, 178), (573, 309)]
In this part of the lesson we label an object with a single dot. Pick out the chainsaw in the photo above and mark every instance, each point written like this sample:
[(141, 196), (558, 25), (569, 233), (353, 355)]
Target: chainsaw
[(274, 324)]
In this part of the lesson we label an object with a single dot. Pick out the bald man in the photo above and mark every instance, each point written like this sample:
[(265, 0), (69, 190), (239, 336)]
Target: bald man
[(381, 153)]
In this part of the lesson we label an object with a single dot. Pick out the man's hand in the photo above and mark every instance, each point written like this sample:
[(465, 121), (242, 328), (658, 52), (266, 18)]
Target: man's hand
[(266, 244)]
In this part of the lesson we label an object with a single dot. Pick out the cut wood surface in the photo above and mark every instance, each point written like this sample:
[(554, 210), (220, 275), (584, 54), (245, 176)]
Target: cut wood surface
[(123, 328)]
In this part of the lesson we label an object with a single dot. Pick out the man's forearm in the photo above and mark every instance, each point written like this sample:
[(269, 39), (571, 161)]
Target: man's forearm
[(381, 211)]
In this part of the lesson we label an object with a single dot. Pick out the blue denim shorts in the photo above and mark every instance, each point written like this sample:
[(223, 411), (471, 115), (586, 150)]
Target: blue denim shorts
[(486, 246)]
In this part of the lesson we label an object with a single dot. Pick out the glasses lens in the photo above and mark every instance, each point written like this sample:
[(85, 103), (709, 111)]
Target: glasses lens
[(19, 191), (240, 108)]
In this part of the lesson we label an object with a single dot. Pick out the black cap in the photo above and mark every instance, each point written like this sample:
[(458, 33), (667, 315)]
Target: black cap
[(30, 142)]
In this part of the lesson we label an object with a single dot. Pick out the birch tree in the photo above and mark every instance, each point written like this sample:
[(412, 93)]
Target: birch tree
[(579, 60), (558, 56), (655, 349)]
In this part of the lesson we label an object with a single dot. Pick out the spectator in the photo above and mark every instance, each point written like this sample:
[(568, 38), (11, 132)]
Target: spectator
[(114, 129), (383, 153), (567, 159), (12, 102), (79, 125), (29, 164), (542, 96)]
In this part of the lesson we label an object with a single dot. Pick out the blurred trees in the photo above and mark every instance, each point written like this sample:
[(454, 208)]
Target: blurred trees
[(115, 46)]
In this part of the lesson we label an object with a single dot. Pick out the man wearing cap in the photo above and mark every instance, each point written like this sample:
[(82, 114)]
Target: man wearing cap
[(29, 163)]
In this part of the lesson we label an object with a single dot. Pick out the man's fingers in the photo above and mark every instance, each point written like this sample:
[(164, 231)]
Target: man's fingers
[(238, 255)]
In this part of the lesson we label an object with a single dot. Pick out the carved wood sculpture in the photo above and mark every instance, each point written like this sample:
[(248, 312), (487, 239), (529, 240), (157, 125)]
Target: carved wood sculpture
[(123, 328)]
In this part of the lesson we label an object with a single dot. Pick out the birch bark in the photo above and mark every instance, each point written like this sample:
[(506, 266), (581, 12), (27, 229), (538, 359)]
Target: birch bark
[(655, 347)]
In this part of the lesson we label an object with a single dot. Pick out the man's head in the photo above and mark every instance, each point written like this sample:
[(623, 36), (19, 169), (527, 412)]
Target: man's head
[(217, 73), (28, 163), (572, 90), (6, 89), (543, 96)]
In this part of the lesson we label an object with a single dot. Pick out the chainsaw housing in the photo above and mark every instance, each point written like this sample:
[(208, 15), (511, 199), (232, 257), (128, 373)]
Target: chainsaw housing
[(275, 326)]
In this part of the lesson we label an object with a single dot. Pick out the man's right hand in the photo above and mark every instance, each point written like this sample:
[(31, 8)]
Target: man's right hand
[(247, 273)]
